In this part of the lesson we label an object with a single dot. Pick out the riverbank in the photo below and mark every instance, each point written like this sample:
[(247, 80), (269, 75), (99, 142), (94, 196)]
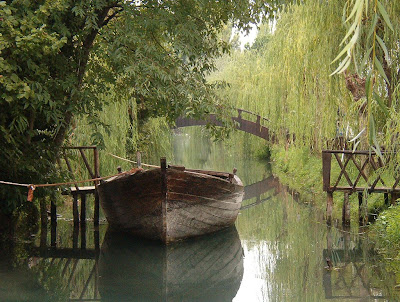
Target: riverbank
[(301, 170)]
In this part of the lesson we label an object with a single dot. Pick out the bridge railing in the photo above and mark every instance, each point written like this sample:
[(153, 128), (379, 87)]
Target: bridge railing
[(257, 127), (259, 119)]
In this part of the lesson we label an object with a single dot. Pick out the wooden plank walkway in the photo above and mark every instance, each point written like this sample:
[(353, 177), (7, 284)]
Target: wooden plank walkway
[(82, 190), (79, 191)]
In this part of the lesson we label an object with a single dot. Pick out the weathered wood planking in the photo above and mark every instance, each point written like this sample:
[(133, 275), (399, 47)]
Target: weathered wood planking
[(133, 202), (171, 205), (198, 204)]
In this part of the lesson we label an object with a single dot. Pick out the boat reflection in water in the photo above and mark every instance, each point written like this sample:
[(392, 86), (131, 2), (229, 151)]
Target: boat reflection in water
[(206, 268)]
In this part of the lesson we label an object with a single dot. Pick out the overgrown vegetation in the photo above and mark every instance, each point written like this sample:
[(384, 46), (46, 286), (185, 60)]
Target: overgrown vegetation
[(62, 62), (288, 75)]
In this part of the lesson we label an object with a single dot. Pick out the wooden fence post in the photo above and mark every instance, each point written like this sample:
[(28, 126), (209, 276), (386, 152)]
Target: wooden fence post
[(53, 214), (329, 207), (83, 236), (96, 214), (43, 224), (326, 180), (163, 164), (326, 170), (394, 197), (360, 205), (75, 211), (83, 209), (346, 210)]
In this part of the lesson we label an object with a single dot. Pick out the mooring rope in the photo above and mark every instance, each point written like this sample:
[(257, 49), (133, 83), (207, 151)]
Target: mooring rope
[(32, 187), (13, 183), (60, 183), (132, 161)]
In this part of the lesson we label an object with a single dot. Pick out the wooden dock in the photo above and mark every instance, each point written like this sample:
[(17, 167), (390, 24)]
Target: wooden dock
[(77, 190), (360, 174)]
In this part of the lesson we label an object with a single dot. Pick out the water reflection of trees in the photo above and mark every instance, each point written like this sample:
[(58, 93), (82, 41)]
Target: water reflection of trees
[(194, 148), (287, 244), (355, 271), (57, 265)]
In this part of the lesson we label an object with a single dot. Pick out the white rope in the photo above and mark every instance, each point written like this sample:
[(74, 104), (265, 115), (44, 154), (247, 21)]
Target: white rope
[(13, 183), (131, 161), (73, 182)]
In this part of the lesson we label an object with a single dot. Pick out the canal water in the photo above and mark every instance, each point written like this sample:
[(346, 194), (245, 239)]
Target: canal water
[(279, 250)]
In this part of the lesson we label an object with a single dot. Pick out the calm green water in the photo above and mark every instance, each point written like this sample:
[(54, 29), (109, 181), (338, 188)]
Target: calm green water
[(277, 251)]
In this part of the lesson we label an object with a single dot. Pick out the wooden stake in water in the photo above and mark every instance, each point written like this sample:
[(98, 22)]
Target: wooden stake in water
[(139, 159), (346, 210)]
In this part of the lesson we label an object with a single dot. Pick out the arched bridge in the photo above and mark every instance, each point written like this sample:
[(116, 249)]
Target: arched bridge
[(253, 123)]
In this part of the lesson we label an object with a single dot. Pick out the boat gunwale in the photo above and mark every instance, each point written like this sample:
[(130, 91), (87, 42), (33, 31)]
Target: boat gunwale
[(235, 180)]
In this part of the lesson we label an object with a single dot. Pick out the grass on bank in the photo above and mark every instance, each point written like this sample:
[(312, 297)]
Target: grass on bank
[(301, 170)]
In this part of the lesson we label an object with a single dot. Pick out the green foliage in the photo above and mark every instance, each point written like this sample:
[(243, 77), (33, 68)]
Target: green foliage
[(300, 170), (59, 58), (285, 77), (370, 44), (155, 141), (386, 231)]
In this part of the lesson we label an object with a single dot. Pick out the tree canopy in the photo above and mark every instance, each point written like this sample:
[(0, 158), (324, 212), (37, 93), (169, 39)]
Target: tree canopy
[(58, 56)]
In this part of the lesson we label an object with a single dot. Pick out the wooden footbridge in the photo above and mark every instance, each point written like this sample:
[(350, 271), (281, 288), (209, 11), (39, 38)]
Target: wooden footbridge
[(252, 123)]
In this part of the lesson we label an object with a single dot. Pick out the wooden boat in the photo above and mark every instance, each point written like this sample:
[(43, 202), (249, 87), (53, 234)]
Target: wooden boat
[(171, 203), (208, 268)]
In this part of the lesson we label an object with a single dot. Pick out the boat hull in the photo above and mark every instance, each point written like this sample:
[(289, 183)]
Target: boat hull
[(171, 205)]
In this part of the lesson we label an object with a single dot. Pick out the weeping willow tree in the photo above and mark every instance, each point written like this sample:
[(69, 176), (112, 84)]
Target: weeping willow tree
[(289, 73), (118, 131), (285, 76), (371, 50)]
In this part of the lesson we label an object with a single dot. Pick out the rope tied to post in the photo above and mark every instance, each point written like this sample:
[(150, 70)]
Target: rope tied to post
[(132, 161), (30, 193), (32, 187)]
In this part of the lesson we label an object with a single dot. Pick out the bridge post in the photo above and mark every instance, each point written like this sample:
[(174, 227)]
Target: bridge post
[(239, 114), (96, 164)]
